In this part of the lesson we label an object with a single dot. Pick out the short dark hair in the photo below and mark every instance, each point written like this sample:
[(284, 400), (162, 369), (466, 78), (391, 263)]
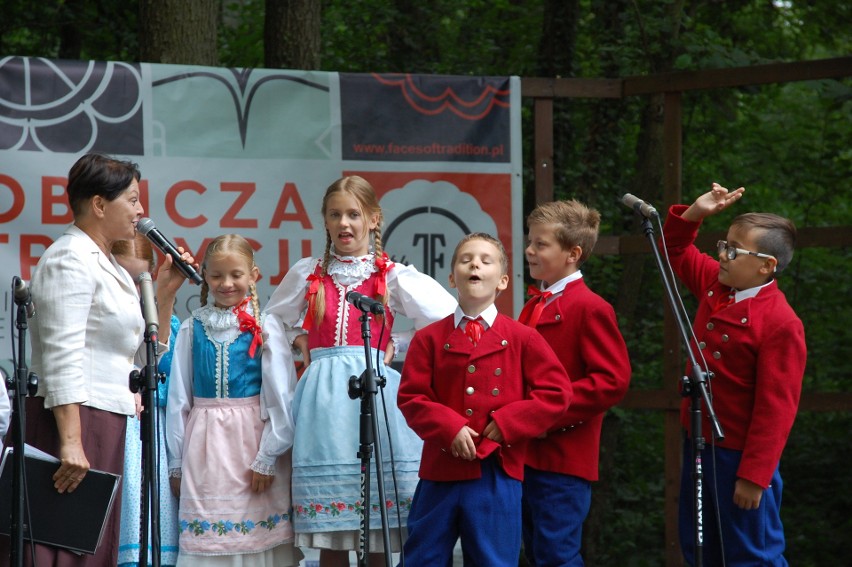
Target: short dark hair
[(775, 235), (97, 174), (504, 257)]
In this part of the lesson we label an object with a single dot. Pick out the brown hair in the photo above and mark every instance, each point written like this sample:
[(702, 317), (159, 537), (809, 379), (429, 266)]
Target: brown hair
[(361, 190), (775, 235), (504, 257), (230, 244), (575, 224)]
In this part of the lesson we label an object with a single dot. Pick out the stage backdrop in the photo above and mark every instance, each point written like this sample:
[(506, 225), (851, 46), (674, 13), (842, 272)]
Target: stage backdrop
[(251, 151)]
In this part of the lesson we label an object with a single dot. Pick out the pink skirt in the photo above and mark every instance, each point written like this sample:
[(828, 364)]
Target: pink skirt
[(219, 514)]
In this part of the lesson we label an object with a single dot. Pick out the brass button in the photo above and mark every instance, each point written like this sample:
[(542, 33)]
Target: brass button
[(717, 355), (495, 391), (468, 411), (471, 369), (710, 326), (725, 338), (558, 317), (702, 345), (447, 346), (744, 320), (504, 342), (498, 372), (710, 293), (469, 390)]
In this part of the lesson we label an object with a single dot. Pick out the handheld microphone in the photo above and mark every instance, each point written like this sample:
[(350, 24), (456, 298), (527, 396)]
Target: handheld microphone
[(146, 227), (639, 206), (23, 295), (364, 303), (149, 302)]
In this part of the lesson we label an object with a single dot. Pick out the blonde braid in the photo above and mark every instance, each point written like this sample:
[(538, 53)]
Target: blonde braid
[(255, 305), (319, 312), (205, 289), (377, 246)]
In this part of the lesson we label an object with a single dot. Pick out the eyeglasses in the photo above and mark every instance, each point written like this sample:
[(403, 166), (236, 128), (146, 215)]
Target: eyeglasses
[(731, 252)]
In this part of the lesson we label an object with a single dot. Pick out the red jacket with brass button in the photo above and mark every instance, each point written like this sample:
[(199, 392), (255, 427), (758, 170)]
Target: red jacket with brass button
[(582, 329), (512, 377), (755, 349)]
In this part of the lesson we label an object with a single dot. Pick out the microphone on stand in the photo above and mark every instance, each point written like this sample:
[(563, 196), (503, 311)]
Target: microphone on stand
[(364, 303), (639, 206), (146, 227), (149, 302), (23, 295)]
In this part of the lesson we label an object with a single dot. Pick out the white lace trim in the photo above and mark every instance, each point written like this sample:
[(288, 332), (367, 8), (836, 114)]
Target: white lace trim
[(262, 468), (351, 270), (340, 330)]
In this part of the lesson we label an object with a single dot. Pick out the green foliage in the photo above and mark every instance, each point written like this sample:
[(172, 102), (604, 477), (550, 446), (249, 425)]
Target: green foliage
[(241, 34)]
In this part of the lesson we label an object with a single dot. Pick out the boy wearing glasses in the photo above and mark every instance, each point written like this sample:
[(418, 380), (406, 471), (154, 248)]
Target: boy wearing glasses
[(754, 346)]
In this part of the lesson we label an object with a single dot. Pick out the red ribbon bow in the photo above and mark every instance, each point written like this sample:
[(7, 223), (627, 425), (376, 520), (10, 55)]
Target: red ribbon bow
[(383, 265), (248, 323), (314, 281), (531, 312)]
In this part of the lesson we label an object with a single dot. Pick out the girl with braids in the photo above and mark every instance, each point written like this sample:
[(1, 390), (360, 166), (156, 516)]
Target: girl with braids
[(228, 425), (326, 466)]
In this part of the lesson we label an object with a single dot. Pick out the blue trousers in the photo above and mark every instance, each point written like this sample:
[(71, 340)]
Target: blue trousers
[(484, 513), (750, 538), (554, 508)]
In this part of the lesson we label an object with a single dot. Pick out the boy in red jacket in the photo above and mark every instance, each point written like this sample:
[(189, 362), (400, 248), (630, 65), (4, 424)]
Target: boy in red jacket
[(582, 329), (476, 386), (754, 344)]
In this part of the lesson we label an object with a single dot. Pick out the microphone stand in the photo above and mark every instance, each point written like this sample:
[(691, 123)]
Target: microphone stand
[(146, 382), (22, 384), (694, 386), (366, 387)]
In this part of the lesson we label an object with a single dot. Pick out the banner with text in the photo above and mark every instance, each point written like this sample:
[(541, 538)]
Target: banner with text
[(251, 151)]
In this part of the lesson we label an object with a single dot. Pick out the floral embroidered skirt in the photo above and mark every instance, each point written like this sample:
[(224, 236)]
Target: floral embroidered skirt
[(326, 466), (219, 513)]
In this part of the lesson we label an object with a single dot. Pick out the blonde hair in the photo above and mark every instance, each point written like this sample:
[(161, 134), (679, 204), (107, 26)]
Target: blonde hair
[(230, 244), (360, 189), (139, 248), (576, 224)]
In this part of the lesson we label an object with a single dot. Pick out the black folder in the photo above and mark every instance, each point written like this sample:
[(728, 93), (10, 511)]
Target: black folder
[(73, 521)]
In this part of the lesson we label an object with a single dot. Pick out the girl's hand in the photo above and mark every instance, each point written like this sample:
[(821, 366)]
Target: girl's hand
[(137, 398), (301, 344), (174, 484), (260, 482), (389, 353), (714, 201)]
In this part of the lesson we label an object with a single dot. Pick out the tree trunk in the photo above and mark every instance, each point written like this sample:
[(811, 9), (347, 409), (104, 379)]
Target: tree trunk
[(70, 29), (179, 31), (291, 34)]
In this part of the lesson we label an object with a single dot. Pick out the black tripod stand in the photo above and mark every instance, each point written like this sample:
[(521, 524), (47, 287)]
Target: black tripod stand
[(146, 382), (20, 385), (694, 386), (365, 387)]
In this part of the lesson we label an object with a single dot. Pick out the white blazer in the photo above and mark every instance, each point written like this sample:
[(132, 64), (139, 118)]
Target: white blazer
[(88, 327)]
